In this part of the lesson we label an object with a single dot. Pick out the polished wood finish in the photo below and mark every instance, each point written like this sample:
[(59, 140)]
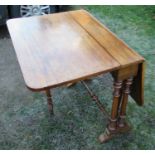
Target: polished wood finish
[(64, 48), (125, 72), (54, 49), (125, 93), (115, 105), (138, 72), (117, 48), (112, 44)]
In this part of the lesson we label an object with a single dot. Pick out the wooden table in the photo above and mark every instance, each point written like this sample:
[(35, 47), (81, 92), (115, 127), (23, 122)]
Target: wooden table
[(62, 48)]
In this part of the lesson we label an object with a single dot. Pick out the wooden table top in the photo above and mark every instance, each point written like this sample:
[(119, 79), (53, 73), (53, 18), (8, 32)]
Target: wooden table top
[(66, 47)]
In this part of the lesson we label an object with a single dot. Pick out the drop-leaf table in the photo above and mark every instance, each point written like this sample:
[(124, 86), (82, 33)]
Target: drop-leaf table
[(68, 47)]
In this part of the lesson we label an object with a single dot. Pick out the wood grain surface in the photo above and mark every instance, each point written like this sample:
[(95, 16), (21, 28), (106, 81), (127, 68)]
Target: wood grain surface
[(66, 47), (54, 50), (108, 40)]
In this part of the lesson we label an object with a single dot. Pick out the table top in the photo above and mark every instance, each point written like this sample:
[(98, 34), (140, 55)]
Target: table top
[(66, 47)]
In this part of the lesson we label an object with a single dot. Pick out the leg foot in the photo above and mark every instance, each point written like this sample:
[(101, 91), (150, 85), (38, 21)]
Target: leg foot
[(124, 129), (105, 136), (111, 129)]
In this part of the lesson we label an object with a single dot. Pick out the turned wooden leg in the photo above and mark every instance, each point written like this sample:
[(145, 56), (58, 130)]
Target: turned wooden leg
[(49, 101), (120, 101), (115, 106), (112, 126), (122, 123)]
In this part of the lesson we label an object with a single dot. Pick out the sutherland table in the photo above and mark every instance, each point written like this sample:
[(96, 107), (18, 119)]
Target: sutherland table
[(68, 47)]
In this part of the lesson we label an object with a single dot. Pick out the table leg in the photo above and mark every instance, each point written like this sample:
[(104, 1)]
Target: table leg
[(122, 123), (115, 106), (112, 126), (120, 99), (49, 101)]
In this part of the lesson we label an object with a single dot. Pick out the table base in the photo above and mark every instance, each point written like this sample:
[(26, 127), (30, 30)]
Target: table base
[(117, 121)]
